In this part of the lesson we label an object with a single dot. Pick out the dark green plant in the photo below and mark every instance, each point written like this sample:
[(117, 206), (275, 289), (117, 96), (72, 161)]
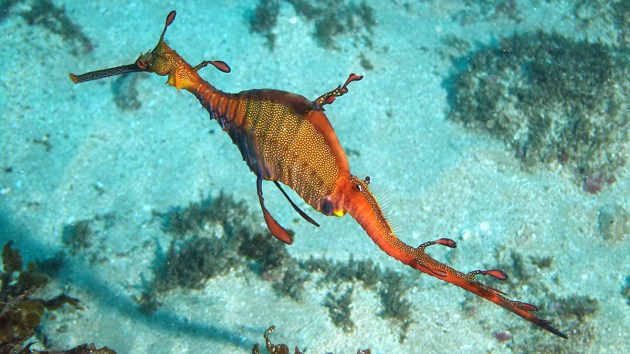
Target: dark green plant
[(394, 305), (53, 18), (365, 271), (264, 252), (292, 283), (211, 238), (197, 217), (542, 262), (265, 19), (577, 307), (330, 19), (476, 11), (522, 271), (554, 100), (340, 308), (126, 93), (392, 293), (77, 235), (193, 261)]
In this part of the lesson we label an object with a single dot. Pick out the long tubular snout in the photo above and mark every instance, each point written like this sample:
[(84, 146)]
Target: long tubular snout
[(99, 74)]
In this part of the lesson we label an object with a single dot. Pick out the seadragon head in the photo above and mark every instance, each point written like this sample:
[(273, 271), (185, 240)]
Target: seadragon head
[(162, 60)]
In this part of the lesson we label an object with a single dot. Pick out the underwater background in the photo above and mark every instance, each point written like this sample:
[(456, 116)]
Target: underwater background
[(130, 221)]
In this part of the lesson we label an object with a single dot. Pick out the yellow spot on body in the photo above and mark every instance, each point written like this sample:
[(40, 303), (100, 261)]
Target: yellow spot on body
[(339, 212)]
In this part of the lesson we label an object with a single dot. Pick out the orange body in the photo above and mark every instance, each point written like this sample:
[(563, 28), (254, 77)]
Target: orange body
[(284, 137)]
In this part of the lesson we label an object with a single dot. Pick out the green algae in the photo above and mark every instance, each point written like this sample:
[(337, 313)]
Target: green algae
[(553, 100)]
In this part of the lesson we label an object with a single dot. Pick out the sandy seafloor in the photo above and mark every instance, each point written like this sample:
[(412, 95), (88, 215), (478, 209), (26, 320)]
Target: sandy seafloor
[(440, 180)]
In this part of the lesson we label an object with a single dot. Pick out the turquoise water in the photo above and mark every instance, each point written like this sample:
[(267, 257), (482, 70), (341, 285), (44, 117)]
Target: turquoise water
[(104, 174)]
